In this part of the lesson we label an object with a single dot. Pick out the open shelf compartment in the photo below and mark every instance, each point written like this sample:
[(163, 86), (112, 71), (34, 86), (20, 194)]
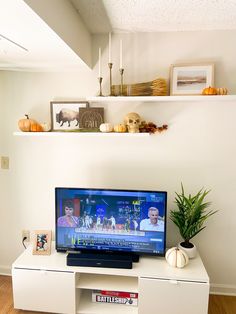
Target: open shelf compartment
[(107, 282)]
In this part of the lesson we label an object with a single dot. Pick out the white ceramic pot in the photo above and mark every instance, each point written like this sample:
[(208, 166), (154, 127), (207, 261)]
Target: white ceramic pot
[(191, 252)]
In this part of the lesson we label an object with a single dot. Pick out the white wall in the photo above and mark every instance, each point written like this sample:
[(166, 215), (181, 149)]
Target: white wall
[(1, 107), (4, 175), (198, 149), (72, 30), (148, 56)]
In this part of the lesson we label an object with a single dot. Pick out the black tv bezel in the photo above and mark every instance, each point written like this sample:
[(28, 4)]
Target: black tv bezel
[(135, 253)]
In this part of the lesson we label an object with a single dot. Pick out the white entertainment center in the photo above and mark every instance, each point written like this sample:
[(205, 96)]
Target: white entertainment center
[(47, 284)]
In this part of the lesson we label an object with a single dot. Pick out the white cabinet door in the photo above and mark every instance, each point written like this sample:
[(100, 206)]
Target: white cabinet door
[(157, 296), (46, 291)]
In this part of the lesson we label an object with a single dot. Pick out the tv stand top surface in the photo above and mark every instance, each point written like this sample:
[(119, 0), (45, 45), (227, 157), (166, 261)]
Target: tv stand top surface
[(150, 267)]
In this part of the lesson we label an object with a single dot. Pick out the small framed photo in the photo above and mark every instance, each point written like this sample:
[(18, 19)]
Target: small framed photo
[(190, 79), (42, 242), (65, 114)]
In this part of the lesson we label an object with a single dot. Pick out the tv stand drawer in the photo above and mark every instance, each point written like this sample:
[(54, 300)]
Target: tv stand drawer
[(42, 290), (172, 296)]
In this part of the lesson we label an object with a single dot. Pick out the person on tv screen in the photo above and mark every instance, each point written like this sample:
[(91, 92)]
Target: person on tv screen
[(68, 220), (152, 223), (113, 222), (135, 225)]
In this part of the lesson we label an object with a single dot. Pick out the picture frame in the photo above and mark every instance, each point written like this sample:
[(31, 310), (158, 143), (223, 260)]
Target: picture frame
[(190, 78), (42, 242), (91, 118), (65, 114)]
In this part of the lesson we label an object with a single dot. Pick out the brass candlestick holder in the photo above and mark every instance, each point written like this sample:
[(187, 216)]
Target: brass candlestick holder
[(100, 86), (121, 81), (110, 70)]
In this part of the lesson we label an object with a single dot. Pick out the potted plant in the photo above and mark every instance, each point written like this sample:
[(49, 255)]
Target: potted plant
[(190, 217)]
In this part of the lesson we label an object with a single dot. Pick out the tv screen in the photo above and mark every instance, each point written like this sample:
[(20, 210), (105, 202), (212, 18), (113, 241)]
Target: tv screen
[(111, 220)]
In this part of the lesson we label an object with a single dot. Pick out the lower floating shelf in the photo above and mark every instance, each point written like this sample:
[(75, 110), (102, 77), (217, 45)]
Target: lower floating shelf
[(76, 134)]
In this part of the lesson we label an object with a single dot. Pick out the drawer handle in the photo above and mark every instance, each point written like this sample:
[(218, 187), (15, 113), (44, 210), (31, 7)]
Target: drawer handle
[(173, 282)]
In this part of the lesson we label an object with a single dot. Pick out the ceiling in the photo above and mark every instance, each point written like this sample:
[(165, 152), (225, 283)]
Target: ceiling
[(27, 42), (157, 15), (31, 38)]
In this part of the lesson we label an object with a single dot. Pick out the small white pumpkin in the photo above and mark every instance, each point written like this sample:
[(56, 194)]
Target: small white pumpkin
[(46, 126), (106, 127), (222, 91), (176, 257)]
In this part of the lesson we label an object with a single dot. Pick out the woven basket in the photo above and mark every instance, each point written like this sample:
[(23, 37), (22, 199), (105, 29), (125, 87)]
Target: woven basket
[(157, 87)]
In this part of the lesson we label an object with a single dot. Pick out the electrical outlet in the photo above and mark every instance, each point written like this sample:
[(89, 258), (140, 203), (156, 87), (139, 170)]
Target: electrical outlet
[(4, 162), (26, 234)]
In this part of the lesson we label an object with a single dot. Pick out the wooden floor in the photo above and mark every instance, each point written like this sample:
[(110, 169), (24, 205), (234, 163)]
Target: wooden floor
[(221, 304), (218, 304)]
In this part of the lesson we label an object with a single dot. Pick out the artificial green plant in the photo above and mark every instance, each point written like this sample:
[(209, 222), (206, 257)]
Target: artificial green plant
[(191, 214)]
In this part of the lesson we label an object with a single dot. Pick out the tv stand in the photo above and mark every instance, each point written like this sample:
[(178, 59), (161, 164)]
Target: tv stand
[(68, 290), (99, 260)]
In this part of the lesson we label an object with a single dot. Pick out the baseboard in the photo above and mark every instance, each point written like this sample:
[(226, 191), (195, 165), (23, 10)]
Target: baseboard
[(223, 289), (4, 270)]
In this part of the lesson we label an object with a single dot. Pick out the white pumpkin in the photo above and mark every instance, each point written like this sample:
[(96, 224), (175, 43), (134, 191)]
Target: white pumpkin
[(106, 127), (222, 91), (176, 257), (46, 126)]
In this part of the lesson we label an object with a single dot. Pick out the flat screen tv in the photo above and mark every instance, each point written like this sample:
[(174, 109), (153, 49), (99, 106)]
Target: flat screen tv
[(110, 220)]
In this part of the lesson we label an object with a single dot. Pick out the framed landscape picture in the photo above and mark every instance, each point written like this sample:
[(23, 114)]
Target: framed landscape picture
[(190, 79), (65, 114)]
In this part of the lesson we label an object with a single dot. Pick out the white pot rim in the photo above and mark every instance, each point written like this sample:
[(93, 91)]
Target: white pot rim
[(191, 252)]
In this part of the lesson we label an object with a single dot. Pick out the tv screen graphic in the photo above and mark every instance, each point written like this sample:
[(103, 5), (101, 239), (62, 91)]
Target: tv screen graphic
[(111, 220)]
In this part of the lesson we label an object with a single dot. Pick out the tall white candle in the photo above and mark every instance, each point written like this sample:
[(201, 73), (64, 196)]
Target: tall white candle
[(99, 62), (121, 63), (109, 59)]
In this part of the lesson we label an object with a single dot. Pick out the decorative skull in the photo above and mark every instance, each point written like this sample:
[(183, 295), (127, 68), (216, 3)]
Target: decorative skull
[(133, 121)]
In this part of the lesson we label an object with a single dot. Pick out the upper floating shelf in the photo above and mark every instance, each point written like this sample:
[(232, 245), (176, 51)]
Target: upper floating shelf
[(199, 98)]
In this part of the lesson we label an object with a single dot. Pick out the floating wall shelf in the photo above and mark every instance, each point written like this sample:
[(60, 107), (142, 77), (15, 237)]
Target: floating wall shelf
[(115, 99), (199, 98), (76, 134)]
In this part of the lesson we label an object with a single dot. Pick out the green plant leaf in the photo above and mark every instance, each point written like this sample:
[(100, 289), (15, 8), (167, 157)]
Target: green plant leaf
[(191, 213)]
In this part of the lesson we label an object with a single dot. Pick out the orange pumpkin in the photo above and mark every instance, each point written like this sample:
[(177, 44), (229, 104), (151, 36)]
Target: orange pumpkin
[(120, 128), (36, 127), (29, 125), (24, 124), (209, 91)]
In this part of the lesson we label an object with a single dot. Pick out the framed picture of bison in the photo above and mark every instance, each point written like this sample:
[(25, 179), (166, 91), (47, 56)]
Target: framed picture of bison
[(65, 114)]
